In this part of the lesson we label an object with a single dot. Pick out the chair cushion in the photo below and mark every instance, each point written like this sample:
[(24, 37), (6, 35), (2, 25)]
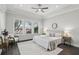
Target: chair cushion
[(16, 39)]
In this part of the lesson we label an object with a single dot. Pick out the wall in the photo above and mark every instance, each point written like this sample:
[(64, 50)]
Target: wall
[(2, 17), (10, 19), (66, 22)]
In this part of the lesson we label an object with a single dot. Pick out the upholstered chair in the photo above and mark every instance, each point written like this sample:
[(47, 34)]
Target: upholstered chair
[(0, 45)]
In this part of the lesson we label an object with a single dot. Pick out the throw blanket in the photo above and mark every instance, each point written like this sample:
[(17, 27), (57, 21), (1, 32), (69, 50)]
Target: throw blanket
[(51, 45)]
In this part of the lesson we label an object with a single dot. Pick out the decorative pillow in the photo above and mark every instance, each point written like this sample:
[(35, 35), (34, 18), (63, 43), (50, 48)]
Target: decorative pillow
[(43, 35), (52, 34), (57, 35)]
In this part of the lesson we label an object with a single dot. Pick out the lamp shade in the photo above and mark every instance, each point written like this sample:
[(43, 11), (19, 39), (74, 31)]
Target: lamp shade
[(67, 34)]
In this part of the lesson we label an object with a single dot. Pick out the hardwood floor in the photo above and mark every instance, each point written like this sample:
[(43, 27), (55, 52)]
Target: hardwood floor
[(12, 50), (67, 50)]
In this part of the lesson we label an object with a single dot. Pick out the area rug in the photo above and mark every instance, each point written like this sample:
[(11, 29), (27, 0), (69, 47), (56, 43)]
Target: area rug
[(31, 48)]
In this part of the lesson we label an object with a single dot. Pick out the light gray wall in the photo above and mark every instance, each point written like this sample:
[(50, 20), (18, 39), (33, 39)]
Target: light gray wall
[(2, 17), (10, 19), (2, 20), (66, 22)]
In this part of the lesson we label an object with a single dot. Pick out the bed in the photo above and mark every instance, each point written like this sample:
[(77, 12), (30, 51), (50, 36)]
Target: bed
[(49, 43)]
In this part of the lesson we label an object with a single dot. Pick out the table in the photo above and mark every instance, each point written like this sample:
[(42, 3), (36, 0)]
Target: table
[(67, 40)]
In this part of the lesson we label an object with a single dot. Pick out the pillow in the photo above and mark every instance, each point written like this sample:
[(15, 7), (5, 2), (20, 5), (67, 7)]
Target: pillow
[(57, 35), (52, 35), (10, 35), (43, 35)]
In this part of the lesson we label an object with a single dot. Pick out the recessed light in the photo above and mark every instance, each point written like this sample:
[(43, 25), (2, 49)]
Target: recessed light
[(57, 6), (21, 5)]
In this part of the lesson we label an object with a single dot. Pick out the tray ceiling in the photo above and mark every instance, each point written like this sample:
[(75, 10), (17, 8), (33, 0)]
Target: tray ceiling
[(53, 9), (28, 7)]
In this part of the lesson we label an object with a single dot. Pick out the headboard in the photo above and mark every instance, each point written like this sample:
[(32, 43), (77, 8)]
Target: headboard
[(55, 33)]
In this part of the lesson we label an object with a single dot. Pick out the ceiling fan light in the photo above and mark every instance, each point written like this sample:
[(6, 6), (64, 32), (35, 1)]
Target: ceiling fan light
[(40, 9), (21, 5)]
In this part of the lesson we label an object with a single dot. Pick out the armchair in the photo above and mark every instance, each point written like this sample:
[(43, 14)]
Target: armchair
[(0, 45)]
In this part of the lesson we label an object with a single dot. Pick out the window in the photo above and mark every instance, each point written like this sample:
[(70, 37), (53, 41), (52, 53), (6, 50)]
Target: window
[(24, 27), (28, 28), (18, 26)]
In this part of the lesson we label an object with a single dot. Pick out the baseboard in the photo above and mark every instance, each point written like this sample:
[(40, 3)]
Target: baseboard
[(25, 40), (75, 45)]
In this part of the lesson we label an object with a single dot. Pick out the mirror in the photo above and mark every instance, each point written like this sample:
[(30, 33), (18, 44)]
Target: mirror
[(54, 25)]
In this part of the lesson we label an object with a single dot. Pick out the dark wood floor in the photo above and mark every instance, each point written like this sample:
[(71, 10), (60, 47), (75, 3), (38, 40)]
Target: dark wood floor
[(67, 50), (12, 50)]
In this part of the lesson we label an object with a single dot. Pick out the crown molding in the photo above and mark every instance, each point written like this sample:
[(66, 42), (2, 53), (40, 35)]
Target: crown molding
[(62, 12)]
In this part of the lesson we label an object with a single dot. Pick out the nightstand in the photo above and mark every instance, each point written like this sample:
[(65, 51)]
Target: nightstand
[(67, 40)]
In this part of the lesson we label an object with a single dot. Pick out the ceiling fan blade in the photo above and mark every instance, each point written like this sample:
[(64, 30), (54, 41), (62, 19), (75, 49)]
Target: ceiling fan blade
[(42, 10), (45, 8), (36, 10)]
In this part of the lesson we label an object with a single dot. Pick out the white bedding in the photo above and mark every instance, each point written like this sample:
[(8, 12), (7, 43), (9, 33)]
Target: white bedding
[(49, 43)]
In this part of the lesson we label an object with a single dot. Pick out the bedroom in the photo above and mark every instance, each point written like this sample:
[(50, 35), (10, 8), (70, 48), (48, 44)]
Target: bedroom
[(46, 22)]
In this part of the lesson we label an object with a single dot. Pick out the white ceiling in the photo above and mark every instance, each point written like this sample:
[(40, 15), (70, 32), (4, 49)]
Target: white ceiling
[(53, 9), (28, 7)]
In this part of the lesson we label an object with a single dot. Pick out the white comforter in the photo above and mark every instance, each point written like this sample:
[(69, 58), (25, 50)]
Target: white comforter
[(50, 43)]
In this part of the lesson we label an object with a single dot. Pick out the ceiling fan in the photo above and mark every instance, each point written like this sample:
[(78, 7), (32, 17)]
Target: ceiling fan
[(40, 8)]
